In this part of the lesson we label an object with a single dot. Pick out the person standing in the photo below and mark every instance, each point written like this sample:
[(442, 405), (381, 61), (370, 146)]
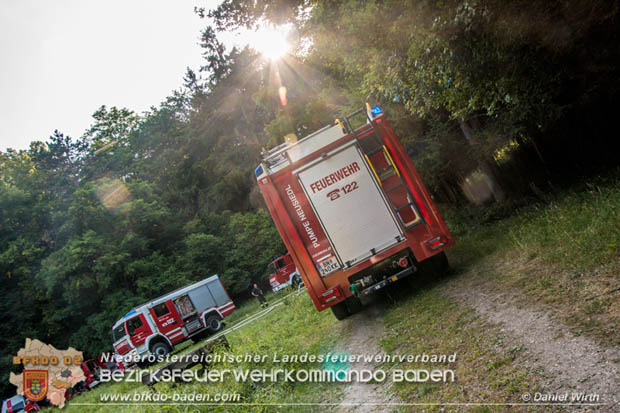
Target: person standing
[(256, 292)]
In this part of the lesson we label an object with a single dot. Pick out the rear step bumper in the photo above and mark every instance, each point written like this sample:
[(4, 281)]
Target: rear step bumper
[(383, 283)]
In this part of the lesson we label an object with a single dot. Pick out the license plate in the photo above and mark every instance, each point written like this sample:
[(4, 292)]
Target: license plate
[(328, 266)]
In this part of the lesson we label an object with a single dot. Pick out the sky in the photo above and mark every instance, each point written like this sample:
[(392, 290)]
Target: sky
[(61, 60)]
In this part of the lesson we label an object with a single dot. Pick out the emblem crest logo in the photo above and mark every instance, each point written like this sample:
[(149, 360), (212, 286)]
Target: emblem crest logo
[(35, 384)]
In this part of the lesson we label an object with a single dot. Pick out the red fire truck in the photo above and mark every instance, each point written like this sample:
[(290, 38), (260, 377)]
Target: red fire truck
[(157, 326), (352, 210), (284, 273)]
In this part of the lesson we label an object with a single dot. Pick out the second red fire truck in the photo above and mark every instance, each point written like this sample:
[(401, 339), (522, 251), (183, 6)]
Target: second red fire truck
[(352, 210), (283, 273), (157, 326)]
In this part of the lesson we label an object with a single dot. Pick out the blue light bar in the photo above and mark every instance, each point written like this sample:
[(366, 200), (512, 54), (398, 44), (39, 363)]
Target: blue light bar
[(376, 110), (132, 312)]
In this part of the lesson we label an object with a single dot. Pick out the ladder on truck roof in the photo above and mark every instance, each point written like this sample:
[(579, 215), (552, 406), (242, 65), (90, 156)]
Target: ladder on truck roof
[(385, 171)]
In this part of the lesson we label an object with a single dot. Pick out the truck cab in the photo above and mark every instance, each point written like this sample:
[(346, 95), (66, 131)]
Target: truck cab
[(122, 343), (283, 273)]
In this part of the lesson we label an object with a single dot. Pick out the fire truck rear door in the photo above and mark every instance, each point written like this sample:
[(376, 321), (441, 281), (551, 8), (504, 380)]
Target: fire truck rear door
[(349, 204)]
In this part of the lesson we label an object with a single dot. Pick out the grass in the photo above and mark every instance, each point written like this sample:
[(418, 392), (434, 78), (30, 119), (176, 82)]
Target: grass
[(564, 254), (293, 328), (488, 368), (576, 231), (241, 312), (561, 255), (252, 305)]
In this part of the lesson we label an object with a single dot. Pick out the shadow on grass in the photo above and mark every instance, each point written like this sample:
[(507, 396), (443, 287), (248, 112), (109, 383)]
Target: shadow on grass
[(422, 280), (395, 294)]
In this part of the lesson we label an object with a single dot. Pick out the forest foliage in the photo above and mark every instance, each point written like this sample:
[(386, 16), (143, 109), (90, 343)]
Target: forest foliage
[(494, 101)]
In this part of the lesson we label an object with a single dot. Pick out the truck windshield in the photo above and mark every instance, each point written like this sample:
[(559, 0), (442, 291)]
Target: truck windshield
[(280, 263), (118, 332)]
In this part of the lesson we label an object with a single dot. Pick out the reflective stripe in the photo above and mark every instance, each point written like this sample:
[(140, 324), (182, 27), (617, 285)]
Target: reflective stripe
[(226, 305), (175, 335), (171, 332), (226, 312)]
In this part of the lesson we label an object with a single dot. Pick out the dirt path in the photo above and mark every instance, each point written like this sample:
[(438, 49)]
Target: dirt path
[(366, 328), (573, 364)]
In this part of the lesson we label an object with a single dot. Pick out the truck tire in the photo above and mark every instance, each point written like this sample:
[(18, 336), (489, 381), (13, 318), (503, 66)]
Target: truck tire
[(340, 310), (440, 263), (434, 267), (160, 349), (213, 323), (354, 304)]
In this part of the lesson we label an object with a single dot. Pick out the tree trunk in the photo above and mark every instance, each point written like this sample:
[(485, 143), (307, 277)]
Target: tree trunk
[(487, 169)]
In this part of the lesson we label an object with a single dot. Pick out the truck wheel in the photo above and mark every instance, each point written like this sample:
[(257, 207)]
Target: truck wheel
[(434, 267), (214, 324), (340, 310), (354, 304), (160, 349), (440, 263)]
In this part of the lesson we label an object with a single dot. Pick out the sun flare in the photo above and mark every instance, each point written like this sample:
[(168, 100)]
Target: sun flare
[(270, 41)]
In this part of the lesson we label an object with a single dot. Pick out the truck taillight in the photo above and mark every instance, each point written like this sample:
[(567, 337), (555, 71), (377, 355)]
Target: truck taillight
[(330, 295), (436, 243)]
